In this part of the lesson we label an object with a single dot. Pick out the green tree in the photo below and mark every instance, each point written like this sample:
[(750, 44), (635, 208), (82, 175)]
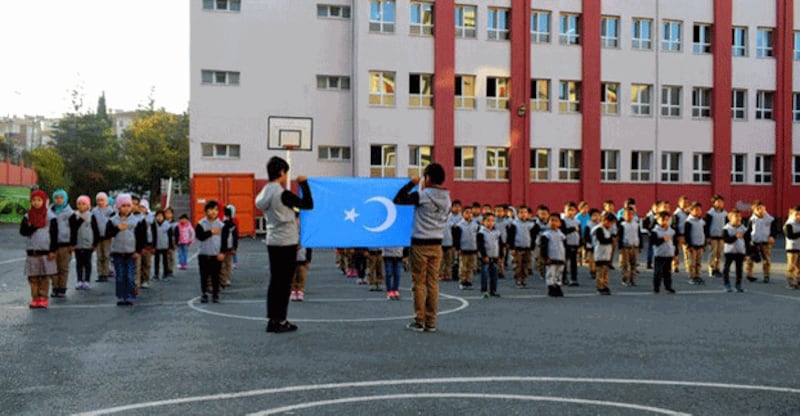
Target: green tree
[(101, 106), (50, 168)]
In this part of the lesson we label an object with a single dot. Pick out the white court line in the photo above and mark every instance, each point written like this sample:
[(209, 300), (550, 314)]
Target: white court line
[(12, 260), (422, 381), (794, 298), (569, 400), (592, 295)]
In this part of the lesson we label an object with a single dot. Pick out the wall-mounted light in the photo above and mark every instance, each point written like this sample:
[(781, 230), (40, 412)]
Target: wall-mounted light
[(522, 110)]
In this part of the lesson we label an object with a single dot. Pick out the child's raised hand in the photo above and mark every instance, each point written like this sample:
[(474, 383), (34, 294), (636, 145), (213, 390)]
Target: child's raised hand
[(301, 179), (123, 226), (739, 236), (215, 231), (415, 179)]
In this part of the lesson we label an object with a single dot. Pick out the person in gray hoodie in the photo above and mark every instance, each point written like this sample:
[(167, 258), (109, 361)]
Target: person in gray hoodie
[(209, 233), (125, 248), (85, 236), (102, 211)]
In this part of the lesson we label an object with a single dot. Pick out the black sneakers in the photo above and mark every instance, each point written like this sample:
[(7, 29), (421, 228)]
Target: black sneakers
[(279, 328), (204, 298), (415, 326)]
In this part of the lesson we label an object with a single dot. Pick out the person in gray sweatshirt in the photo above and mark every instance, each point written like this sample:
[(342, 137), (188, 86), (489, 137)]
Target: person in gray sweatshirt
[(431, 206), (278, 205), (209, 233), (85, 236), (102, 211), (125, 249)]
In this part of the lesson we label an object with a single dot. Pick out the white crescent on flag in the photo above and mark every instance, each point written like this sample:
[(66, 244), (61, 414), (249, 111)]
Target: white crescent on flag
[(391, 214)]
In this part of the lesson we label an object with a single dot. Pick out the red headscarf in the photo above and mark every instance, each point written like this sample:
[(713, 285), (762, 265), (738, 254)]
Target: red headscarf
[(38, 217)]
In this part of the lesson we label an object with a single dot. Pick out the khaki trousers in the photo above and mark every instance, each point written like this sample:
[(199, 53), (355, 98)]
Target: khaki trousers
[(40, 286), (766, 252), (103, 258), (448, 257), (425, 263), (299, 279), (695, 261), (793, 268), (680, 244), (144, 269), (63, 256), (375, 268), (467, 264), (522, 260), (602, 275), (716, 254), (630, 263), (225, 271)]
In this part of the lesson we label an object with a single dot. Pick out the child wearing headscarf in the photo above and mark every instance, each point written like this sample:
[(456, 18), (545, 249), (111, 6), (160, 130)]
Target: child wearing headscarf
[(125, 248), (148, 236), (102, 212), (86, 237), (63, 212), (41, 231)]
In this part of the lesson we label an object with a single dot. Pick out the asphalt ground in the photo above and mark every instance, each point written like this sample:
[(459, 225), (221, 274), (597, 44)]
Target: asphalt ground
[(700, 351)]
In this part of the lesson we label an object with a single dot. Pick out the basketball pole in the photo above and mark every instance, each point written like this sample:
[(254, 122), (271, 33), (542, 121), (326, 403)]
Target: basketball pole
[(289, 173)]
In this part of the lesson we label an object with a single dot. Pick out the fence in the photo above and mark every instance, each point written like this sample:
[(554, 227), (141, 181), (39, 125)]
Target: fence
[(16, 175)]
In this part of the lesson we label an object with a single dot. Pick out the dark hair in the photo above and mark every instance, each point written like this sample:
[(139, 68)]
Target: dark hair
[(630, 209), (169, 209), (734, 211), (594, 211), (610, 217), (556, 216), (695, 204), (570, 204), (135, 197), (210, 205), (161, 211), (630, 201), (716, 198), (434, 172), (228, 212), (476, 204), (525, 207), (664, 214), (457, 202), (488, 214), (275, 167), (758, 202), (183, 216), (609, 202), (543, 208)]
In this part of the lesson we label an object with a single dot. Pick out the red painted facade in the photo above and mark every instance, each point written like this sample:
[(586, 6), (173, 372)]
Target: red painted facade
[(721, 113), (784, 44), (444, 89), (520, 135), (591, 190)]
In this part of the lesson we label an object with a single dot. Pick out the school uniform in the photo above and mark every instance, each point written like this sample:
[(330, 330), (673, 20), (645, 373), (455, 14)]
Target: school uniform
[(761, 229), (392, 260), (230, 243), (39, 268), (163, 240), (602, 244), (715, 221), (792, 232), (490, 241), (589, 247), (302, 260), (210, 246), (629, 243), (648, 223), (149, 235), (678, 224), (501, 225), (695, 237), (465, 239), (86, 236), (734, 249), (103, 249), (124, 244), (553, 251), (446, 271), (375, 267), (64, 252), (539, 226), (520, 240), (572, 230), (663, 255)]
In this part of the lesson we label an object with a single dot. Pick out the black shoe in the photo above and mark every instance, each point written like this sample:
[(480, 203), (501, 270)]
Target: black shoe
[(671, 290), (766, 279), (656, 291), (501, 276), (649, 267), (54, 293), (751, 279), (611, 267), (559, 292), (204, 298), (215, 299), (414, 326), (278, 328), (494, 295)]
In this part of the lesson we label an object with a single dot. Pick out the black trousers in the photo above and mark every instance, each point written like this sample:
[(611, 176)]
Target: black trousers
[(163, 258), (738, 260), (83, 264), (209, 273), (282, 263), (662, 271), (572, 263)]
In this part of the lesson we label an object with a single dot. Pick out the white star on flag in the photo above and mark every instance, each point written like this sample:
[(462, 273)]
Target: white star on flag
[(351, 215)]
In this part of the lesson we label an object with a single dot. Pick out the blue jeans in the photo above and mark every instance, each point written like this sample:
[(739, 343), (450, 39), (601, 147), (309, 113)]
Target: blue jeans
[(489, 272), (124, 268), (183, 254), (392, 268)]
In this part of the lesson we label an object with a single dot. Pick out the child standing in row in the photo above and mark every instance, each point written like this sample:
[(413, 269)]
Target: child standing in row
[(86, 236), (489, 243), (520, 239), (695, 238), (229, 246), (209, 233), (392, 260), (736, 240), (149, 233), (40, 228), (169, 217), (629, 243), (603, 246), (186, 237), (553, 252), (465, 240), (792, 232), (63, 212), (101, 213), (716, 218), (662, 241), (163, 240), (125, 249)]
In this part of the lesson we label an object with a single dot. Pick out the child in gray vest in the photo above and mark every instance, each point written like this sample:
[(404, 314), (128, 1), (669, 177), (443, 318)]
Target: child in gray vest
[(41, 231), (85, 238), (209, 233), (490, 241), (736, 240)]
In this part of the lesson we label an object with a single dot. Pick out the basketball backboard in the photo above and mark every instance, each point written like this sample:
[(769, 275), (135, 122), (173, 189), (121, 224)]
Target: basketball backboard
[(293, 133)]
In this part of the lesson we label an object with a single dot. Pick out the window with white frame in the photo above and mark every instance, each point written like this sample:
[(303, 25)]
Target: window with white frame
[(464, 163), (796, 106), (420, 90), (641, 166), (220, 151), (540, 26), (609, 93), (701, 38), (466, 21), (609, 31), (333, 82), (569, 96), (797, 45), (229, 5), (642, 36), (497, 93), (465, 91), (419, 157), (212, 77), (641, 99), (765, 42), (421, 18), (498, 21), (381, 88), (333, 11), (739, 42), (763, 169), (796, 170), (671, 101), (569, 165), (671, 35), (540, 95), (381, 16), (333, 153), (670, 167), (497, 163), (701, 168), (765, 104), (739, 104), (738, 168), (383, 161), (609, 165), (569, 29), (540, 165), (701, 102)]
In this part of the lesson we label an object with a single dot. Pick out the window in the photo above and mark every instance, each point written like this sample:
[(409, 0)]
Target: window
[(671, 35), (229, 5), (334, 153), (466, 19), (641, 166), (418, 158), (498, 24), (381, 16), (738, 168), (540, 95), (739, 46), (739, 104), (569, 165), (383, 161), (764, 43), (569, 29), (671, 101), (797, 46), (701, 37), (701, 168), (497, 93), (670, 167), (465, 163), (569, 97), (497, 163), (540, 164), (381, 88), (642, 34), (333, 12), (763, 169), (796, 170), (333, 82), (796, 109), (701, 102), (609, 165), (420, 90), (764, 105), (540, 26), (609, 31), (220, 151), (421, 18), (465, 91), (210, 77), (608, 98), (641, 99)]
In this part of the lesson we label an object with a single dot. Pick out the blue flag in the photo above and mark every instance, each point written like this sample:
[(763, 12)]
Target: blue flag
[(356, 212)]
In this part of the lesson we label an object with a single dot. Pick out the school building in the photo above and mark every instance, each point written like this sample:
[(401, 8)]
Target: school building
[(522, 101)]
